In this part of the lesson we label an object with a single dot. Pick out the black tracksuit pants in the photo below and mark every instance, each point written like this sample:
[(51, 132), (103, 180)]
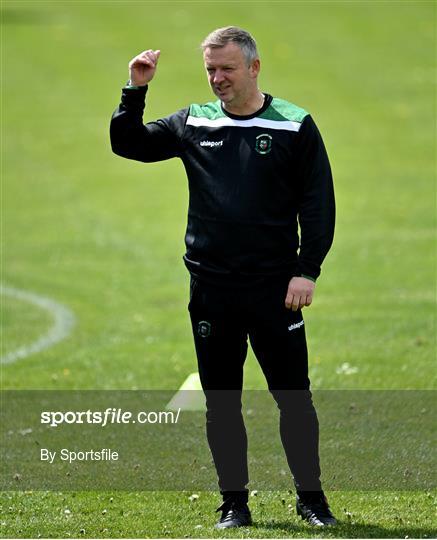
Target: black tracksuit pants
[(222, 319)]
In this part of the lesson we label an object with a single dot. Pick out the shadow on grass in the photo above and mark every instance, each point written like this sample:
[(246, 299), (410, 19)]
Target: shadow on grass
[(346, 530)]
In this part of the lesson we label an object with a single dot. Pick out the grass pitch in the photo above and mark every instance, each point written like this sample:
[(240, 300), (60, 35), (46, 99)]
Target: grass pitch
[(104, 236)]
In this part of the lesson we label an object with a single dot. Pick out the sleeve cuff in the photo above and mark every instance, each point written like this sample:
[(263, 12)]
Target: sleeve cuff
[(308, 277), (130, 86)]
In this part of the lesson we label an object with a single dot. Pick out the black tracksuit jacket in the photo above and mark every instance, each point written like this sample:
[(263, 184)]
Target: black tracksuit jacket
[(252, 179)]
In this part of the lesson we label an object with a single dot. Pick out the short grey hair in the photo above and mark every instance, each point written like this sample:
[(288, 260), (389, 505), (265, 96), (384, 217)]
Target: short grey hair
[(232, 34)]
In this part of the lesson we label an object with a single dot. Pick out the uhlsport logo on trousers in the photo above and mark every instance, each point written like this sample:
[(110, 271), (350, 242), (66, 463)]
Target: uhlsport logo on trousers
[(296, 325)]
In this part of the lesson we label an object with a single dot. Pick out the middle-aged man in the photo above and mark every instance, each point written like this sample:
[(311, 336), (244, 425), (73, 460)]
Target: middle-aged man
[(256, 167)]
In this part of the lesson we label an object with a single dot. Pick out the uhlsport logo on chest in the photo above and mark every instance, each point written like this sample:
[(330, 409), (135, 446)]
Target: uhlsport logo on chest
[(263, 143), (211, 144)]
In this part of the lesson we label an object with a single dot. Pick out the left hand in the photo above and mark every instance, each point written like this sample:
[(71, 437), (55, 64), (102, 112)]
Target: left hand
[(300, 293)]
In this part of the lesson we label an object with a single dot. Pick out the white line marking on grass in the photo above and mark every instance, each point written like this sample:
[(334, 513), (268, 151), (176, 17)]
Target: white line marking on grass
[(189, 397), (64, 322)]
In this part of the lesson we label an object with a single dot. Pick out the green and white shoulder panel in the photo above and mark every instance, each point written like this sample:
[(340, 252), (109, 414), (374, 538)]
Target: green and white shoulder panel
[(280, 114)]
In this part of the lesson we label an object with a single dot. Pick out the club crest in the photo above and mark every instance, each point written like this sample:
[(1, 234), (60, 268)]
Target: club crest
[(263, 143), (204, 328)]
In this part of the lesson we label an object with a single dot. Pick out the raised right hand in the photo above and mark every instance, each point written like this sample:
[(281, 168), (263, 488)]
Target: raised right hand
[(142, 68)]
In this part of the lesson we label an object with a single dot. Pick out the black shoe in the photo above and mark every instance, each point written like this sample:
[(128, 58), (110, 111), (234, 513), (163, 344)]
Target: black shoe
[(315, 510), (234, 514)]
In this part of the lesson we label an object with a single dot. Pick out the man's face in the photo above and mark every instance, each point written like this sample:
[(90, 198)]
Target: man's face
[(229, 76)]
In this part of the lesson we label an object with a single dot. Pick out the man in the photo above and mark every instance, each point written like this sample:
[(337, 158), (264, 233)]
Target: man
[(256, 167)]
